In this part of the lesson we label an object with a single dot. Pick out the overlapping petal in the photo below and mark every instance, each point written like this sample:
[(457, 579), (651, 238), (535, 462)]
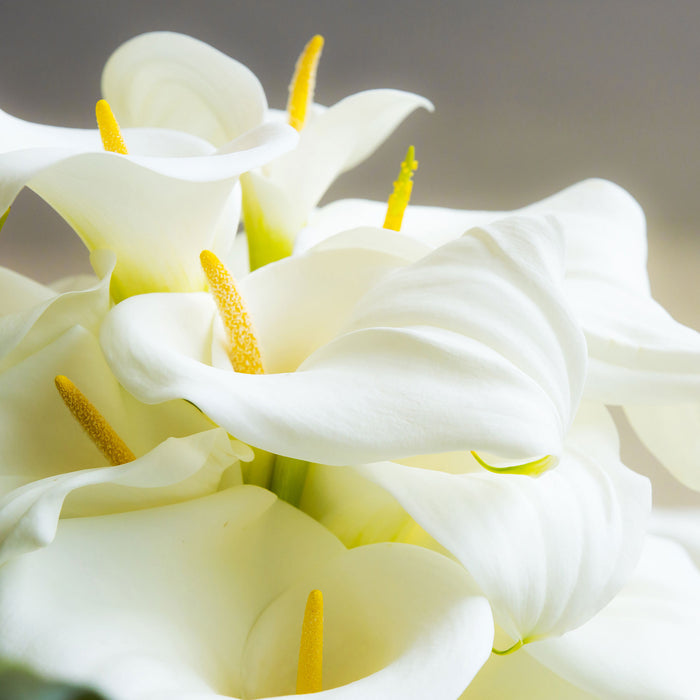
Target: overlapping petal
[(32, 315), (639, 355), (164, 79), (206, 599), (156, 208), (643, 644), (548, 552), (176, 470), (338, 139), (173, 81), (278, 199), (490, 358), (38, 435)]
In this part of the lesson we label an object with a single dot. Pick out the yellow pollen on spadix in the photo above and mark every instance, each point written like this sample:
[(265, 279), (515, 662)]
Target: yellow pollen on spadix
[(310, 669), (94, 423), (301, 89), (243, 350), (400, 197), (109, 129)]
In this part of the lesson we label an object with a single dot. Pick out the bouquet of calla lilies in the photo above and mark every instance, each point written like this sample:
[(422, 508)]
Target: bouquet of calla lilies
[(360, 450)]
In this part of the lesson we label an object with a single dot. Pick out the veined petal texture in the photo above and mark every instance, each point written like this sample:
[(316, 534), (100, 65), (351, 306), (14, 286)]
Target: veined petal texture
[(471, 347)]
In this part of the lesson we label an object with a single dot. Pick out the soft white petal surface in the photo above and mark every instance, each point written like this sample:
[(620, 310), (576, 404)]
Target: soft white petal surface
[(681, 525), (32, 315), (639, 355), (157, 208), (520, 676), (470, 348), (176, 470), (170, 80), (547, 552), (206, 599), (338, 139), (672, 433), (643, 645), (38, 435)]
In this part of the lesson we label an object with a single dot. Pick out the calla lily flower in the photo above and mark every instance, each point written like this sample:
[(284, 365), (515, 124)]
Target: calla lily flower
[(643, 644), (371, 358), (547, 552), (32, 314), (204, 600), (156, 207), (163, 79), (46, 456), (639, 356)]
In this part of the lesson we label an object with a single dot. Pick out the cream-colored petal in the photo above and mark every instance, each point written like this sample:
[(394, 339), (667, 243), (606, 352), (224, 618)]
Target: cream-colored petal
[(178, 469), (205, 599), (339, 139), (156, 208), (548, 552), (34, 315), (644, 643), (433, 358), (38, 435), (170, 80)]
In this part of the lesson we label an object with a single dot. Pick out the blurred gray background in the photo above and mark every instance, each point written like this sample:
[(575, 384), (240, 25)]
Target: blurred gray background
[(530, 97)]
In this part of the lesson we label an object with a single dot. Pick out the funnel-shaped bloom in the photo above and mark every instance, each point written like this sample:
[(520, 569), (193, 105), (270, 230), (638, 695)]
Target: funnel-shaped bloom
[(163, 79), (372, 358), (45, 455), (548, 552), (639, 356), (204, 599), (156, 207)]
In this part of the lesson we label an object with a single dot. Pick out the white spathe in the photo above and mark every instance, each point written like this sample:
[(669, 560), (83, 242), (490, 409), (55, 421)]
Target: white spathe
[(639, 356), (469, 348), (642, 645), (45, 455), (548, 552), (203, 600), (177, 469), (165, 79), (32, 315), (156, 208)]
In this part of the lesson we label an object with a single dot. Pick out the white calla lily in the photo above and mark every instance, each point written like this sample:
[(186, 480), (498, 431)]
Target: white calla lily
[(164, 79), (173, 81), (639, 355), (470, 348), (206, 599), (547, 552), (156, 207), (42, 445), (38, 435), (177, 469), (32, 315), (643, 644)]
